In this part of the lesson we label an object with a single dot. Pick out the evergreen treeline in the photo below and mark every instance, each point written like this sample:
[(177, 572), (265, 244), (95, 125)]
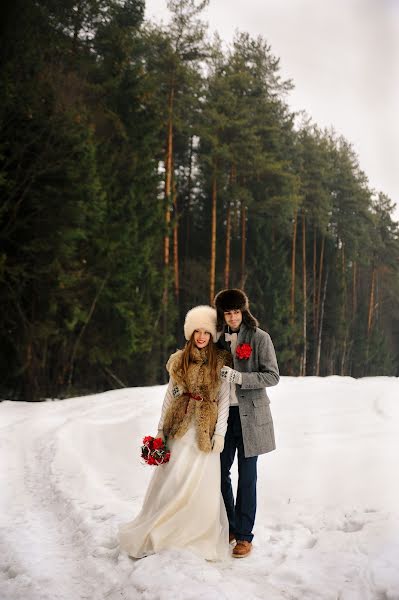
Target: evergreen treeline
[(142, 168)]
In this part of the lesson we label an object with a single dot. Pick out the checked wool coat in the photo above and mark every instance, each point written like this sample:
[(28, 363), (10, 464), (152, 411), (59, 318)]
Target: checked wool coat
[(259, 371)]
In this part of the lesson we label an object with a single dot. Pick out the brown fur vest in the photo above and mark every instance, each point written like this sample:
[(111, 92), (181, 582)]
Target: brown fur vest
[(198, 382)]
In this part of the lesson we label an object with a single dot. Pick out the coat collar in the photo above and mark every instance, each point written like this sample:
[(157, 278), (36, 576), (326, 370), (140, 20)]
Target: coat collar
[(244, 335)]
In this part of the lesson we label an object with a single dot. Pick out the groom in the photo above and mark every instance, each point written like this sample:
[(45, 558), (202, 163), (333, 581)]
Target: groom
[(250, 427)]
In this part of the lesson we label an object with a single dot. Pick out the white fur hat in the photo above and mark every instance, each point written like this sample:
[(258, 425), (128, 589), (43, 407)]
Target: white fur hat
[(200, 317)]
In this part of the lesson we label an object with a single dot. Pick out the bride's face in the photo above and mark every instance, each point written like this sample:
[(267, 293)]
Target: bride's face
[(201, 338)]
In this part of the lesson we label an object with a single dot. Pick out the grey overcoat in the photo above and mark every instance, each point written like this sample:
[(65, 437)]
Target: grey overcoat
[(259, 371)]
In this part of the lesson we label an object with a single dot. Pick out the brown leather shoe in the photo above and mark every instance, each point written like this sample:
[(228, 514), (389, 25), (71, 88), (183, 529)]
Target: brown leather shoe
[(242, 548), (232, 537)]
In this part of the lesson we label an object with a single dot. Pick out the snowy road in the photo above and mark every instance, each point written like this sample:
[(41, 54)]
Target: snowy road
[(328, 507)]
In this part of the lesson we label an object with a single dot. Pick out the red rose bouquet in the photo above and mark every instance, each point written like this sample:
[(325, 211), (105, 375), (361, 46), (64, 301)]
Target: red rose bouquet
[(154, 451), (243, 351)]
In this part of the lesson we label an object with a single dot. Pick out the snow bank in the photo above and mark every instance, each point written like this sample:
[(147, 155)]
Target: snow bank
[(328, 499)]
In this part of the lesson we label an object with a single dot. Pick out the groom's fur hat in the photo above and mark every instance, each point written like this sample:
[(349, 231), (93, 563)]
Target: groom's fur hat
[(233, 299)]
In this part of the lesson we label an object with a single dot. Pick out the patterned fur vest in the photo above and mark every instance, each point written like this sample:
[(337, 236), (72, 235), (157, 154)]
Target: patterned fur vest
[(197, 382)]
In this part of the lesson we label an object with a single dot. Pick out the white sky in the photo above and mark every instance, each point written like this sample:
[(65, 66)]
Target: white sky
[(343, 58)]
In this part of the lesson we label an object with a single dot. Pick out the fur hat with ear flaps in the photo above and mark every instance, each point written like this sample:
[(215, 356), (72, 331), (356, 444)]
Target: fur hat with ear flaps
[(233, 299), (200, 317)]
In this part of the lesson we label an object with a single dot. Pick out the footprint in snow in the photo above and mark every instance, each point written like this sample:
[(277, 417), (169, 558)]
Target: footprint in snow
[(352, 526), (311, 543)]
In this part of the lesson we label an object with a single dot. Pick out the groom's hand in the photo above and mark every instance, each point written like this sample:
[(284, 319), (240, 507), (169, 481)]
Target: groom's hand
[(231, 375)]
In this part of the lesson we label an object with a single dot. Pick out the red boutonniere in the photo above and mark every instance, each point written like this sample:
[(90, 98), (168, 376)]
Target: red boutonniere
[(154, 451), (243, 351)]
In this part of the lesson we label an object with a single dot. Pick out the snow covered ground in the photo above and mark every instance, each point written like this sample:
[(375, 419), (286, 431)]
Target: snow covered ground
[(328, 507)]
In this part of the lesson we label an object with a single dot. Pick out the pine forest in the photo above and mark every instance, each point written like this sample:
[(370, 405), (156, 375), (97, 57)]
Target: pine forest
[(144, 167)]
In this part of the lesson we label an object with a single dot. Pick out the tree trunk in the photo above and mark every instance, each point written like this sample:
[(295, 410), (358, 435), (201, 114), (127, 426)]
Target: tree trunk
[(176, 243), (314, 298), (187, 208), (343, 355), (168, 176), (228, 241), (320, 326), (320, 278), (343, 275), (314, 289), (294, 233), (243, 243), (167, 205), (354, 289), (213, 240), (344, 311), (30, 375), (371, 302), (82, 330), (376, 310), (76, 27), (233, 179), (304, 295)]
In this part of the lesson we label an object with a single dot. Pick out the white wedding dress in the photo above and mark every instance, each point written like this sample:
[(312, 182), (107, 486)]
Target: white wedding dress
[(183, 506)]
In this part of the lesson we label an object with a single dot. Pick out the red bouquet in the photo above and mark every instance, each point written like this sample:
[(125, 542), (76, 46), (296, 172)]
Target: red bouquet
[(154, 451), (243, 351)]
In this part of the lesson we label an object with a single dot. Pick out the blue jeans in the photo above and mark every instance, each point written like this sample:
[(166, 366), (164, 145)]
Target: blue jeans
[(241, 515)]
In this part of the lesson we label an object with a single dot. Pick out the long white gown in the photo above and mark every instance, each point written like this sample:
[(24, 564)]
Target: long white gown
[(183, 506)]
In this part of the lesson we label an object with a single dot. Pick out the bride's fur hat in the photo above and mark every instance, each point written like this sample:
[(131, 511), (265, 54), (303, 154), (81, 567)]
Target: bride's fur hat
[(233, 299), (200, 317)]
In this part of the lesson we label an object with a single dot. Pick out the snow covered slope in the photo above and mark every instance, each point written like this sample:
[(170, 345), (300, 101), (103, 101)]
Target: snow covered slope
[(328, 506)]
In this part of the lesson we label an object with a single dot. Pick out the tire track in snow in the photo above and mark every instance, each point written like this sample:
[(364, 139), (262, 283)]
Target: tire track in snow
[(64, 554)]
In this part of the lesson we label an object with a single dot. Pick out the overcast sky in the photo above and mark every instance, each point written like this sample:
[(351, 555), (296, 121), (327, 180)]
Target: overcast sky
[(343, 58)]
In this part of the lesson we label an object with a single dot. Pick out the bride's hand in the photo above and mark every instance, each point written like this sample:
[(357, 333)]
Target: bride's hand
[(160, 434), (177, 391), (217, 443)]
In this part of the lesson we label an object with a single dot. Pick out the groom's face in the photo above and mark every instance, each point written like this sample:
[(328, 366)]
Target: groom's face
[(233, 319)]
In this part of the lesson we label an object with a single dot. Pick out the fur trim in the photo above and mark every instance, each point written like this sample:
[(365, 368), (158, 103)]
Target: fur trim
[(200, 317), (233, 299), (198, 382)]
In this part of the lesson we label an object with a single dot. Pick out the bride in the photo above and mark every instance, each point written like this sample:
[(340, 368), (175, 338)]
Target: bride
[(183, 506)]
